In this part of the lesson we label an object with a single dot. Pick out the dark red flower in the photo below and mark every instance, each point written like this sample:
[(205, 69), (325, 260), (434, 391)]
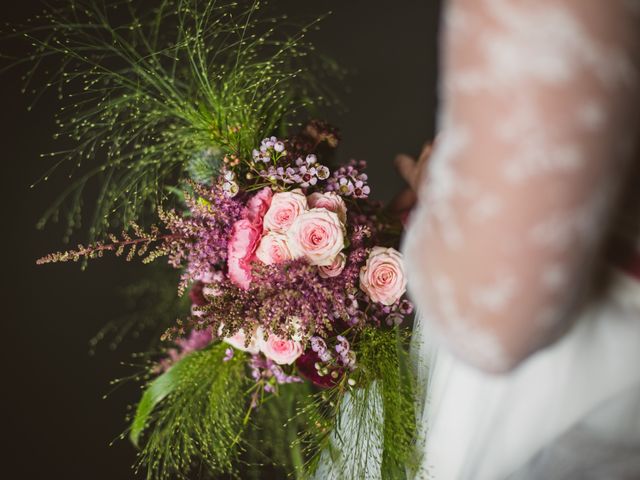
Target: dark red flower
[(306, 366)]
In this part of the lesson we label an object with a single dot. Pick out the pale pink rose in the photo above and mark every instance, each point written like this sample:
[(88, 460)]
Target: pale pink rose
[(382, 278), (239, 341), (331, 201), (258, 205), (281, 351), (244, 240), (335, 269), (317, 235), (273, 249), (285, 208)]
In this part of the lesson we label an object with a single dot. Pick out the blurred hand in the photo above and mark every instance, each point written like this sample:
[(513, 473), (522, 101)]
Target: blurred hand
[(412, 171)]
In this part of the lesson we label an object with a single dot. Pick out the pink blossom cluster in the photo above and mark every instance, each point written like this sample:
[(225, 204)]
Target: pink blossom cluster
[(273, 163), (350, 180), (286, 226)]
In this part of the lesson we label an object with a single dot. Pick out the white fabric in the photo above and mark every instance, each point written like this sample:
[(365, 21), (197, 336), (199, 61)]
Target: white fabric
[(482, 426), (605, 445)]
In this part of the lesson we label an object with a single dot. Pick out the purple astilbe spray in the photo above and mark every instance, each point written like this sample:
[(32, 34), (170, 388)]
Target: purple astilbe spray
[(204, 235), (279, 293)]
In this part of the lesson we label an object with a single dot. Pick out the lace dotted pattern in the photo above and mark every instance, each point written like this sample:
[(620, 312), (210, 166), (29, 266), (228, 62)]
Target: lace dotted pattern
[(537, 131)]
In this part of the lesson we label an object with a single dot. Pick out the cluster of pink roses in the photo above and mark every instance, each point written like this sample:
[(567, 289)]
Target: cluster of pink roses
[(277, 228), (285, 226)]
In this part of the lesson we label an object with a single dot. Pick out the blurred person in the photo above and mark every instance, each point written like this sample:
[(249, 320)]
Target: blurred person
[(527, 343)]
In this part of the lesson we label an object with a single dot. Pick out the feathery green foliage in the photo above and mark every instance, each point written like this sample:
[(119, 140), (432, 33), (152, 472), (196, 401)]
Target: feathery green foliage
[(193, 416), (272, 438), (384, 356), (149, 305), (369, 429), (148, 85)]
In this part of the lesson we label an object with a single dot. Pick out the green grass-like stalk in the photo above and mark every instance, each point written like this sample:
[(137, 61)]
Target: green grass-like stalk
[(200, 423), (147, 86), (367, 430)]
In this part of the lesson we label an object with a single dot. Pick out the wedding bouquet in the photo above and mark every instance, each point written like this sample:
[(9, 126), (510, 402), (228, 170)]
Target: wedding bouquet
[(297, 294)]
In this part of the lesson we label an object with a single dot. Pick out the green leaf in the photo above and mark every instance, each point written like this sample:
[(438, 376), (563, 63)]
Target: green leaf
[(157, 391)]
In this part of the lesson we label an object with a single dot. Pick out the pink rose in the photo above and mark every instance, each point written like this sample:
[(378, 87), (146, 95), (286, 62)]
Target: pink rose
[(283, 352), (383, 277), (317, 235), (285, 208), (239, 341), (335, 269), (244, 240), (273, 248), (258, 205), (331, 201)]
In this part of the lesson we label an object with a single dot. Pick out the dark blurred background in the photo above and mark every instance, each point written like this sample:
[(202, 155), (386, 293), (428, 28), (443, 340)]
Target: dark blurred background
[(56, 423)]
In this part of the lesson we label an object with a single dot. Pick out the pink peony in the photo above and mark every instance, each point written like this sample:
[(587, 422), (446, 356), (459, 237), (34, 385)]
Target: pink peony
[(382, 278), (244, 240), (285, 208), (279, 350), (331, 201), (317, 235), (273, 248), (335, 269), (258, 205)]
